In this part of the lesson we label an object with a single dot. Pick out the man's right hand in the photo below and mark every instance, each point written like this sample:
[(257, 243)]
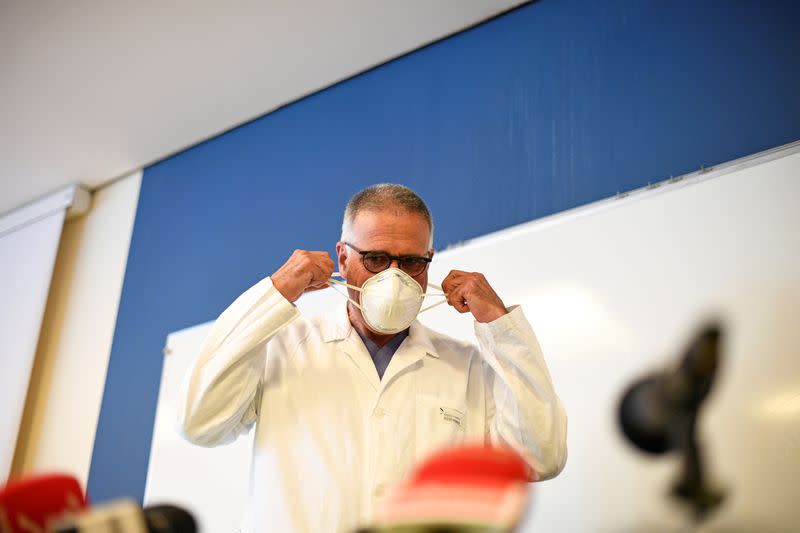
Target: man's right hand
[(304, 271)]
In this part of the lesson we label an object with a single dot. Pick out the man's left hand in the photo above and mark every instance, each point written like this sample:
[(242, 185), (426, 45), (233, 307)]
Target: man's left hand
[(469, 291)]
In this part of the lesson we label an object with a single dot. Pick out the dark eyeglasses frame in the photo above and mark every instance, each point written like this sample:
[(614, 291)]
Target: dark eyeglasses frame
[(401, 259)]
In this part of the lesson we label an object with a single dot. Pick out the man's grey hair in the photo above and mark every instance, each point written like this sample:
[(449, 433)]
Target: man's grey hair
[(382, 196)]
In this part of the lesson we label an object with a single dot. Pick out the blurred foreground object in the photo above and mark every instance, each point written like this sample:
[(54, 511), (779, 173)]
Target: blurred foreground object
[(125, 516), (56, 503), (470, 488), (659, 414), (35, 503)]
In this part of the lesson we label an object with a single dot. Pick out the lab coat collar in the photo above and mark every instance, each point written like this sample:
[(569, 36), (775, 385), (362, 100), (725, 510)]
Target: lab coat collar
[(336, 327)]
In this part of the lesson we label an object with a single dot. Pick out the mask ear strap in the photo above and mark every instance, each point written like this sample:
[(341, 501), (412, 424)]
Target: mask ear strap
[(345, 284), (442, 295), (433, 305), (435, 286)]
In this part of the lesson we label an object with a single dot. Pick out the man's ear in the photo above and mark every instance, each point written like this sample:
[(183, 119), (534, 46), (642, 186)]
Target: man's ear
[(341, 255)]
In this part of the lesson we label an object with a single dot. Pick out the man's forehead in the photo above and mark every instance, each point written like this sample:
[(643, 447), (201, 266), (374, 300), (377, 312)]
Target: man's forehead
[(374, 220), (392, 227)]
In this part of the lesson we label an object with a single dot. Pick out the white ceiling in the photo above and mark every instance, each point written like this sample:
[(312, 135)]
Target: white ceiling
[(93, 89)]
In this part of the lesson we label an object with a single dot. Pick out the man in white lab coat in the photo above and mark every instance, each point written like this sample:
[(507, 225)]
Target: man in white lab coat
[(344, 405)]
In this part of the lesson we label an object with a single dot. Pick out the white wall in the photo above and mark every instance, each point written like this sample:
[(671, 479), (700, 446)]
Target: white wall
[(66, 388)]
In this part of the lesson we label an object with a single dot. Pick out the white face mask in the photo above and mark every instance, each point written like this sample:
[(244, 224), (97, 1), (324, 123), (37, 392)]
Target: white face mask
[(390, 300)]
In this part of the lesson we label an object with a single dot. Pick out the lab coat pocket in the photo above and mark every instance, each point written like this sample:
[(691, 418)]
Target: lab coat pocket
[(439, 423)]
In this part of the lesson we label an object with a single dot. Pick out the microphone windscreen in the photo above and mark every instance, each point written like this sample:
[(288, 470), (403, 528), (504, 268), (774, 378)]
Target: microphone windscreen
[(36, 503), (645, 418), (169, 519), (466, 487)]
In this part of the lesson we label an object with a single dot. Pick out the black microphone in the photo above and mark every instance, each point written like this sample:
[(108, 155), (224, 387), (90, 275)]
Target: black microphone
[(169, 519), (659, 414)]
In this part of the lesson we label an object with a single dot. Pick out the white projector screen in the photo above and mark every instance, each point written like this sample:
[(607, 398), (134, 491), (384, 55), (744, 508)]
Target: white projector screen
[(614, 290), (27, 257)]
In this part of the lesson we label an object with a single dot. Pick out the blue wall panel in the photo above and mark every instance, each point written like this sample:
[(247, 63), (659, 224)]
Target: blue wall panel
[(551, 106)]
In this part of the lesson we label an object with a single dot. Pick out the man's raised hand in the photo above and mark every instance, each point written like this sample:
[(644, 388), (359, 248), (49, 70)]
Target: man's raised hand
[(304, 271), (470, 292)]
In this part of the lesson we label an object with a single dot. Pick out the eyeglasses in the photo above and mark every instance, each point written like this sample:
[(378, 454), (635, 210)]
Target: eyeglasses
[(376, 262)]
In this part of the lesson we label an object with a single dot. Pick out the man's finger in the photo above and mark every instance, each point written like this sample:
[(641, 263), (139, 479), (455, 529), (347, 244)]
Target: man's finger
[(454, 274), (452, 280), (312, 288), (456, 299), (320, 276), (450, 294), (461, 306)]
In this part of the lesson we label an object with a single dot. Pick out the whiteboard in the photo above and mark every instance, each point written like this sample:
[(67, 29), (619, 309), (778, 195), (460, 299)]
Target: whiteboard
[(211, 483), (613, 290)]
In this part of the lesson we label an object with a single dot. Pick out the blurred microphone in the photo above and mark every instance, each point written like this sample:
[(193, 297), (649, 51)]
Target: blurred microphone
[(467, 488), (169, 519), (125, 516), (655, 410), (659, 414), (35, 503), (56, 503)]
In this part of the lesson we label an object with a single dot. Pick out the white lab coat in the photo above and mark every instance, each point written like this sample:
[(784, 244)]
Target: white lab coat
[(331, 437)]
